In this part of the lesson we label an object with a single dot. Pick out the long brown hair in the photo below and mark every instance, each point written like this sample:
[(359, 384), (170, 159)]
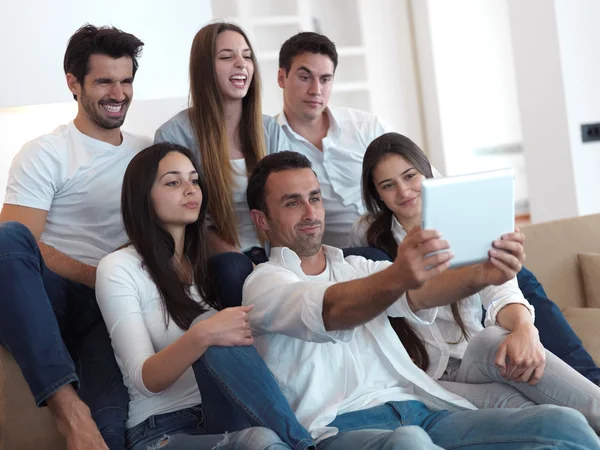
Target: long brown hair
[(157, 247), (208, 122), (379, 232)]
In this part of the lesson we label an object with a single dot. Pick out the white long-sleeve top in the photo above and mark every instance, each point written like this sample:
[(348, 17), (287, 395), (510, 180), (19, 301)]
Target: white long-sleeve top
[(132, 308), (438, 337), (327, 373)]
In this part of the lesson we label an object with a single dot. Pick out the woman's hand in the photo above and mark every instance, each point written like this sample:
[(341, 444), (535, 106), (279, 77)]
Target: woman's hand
[(521, 356), (227, 328)]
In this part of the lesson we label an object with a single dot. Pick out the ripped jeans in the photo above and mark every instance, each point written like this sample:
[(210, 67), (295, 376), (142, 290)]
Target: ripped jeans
[(184, 430)]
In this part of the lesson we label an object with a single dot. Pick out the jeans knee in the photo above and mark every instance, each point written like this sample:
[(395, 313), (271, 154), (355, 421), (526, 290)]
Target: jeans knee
[(487, 339), (16, 237), (409, 438), (255, 438)]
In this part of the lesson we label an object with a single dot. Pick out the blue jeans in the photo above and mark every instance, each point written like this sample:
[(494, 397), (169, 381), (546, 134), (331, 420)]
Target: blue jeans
[(239, 391), (53, 328), (184, 430), (538, 427), (555, 332)]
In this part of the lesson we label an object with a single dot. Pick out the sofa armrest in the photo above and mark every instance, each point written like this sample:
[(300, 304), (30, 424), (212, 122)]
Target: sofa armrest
[(585, 322)]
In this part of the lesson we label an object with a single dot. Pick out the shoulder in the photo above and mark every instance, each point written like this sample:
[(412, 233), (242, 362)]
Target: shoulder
[(353, 115), (358, 232), (136, 142), (275, 138), (177, 124), (48, 146), (126, 259)]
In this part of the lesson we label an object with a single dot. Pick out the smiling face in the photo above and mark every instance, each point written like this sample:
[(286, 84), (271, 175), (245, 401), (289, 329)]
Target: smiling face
[(307, 85), (294, 215), (233, 65), (106, 91), (175, 194), (398, 184)]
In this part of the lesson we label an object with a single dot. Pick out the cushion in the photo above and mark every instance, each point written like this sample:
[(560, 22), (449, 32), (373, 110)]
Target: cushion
[(589, 264), (584, 322)]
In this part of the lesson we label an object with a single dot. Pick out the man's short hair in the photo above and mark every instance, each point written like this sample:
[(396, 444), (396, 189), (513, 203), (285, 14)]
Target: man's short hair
[(90, 40), (306, 42), (275, 162)]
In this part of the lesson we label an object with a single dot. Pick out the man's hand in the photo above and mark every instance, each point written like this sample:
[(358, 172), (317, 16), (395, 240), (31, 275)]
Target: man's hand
[(506, 259), (521, 357), (414, 263)]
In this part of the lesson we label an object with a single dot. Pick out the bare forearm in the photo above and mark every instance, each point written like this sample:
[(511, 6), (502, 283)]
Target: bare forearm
[(449, 287), (68, 267), (164, 368), (514, 315), (352, 303)]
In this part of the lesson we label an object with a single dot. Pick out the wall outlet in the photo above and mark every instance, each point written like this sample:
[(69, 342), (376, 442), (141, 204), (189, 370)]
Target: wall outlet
[(590, 132)]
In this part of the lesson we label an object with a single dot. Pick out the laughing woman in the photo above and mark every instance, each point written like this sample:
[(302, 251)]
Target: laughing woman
[(502, 365), (227, 130)]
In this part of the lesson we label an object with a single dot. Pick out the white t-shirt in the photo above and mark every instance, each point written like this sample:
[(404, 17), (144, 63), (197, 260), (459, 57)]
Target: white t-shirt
[(132, 308), (78, 180), (339, 166)]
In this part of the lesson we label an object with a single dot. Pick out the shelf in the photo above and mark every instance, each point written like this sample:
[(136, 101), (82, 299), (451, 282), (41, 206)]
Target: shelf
[(351, 86), (274, 20)]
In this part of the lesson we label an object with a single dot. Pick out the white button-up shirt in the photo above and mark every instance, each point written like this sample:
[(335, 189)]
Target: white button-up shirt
[(327, 373), (439, 336), (339, 165)]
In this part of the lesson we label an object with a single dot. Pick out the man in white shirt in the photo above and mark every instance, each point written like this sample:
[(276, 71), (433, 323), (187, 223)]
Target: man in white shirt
[(60, 217), (320, 323), (335, 139)]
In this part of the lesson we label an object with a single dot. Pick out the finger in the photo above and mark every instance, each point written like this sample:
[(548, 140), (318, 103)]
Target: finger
[(500, 360), (433, 272), (420, 237), (511, 247), (436, 259), (431, 246), (509, 265), (515, 236), (527, 373), (537, 375), (246, 308)]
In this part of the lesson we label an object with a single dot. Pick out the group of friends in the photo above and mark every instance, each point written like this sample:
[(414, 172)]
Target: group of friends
[(256, 282)]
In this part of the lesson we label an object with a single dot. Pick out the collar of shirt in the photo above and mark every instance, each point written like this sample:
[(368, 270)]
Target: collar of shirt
[(398, 230), (334, 132), (286, 257)]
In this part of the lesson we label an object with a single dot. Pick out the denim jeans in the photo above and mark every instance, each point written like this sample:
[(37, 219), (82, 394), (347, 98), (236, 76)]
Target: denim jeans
[(555, 332), (184, 430), (239, 391), (538, 427), (53, 328)]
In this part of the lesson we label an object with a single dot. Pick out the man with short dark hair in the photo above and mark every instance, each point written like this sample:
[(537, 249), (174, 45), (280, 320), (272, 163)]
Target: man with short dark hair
[(321, 324), (61, 215)]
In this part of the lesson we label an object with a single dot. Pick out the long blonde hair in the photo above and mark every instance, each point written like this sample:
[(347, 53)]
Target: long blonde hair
[(207, 118)]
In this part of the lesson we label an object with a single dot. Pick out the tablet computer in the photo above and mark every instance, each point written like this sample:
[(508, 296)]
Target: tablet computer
[(470, 211)]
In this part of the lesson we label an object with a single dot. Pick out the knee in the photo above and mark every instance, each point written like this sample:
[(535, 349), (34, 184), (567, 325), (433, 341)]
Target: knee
[(563, 421), (14, 236), (254, 438), (409, 438), (487, 339), (231, 263)]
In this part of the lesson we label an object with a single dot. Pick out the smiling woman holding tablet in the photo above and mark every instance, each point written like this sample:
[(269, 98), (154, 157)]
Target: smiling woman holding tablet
[(505, 364)]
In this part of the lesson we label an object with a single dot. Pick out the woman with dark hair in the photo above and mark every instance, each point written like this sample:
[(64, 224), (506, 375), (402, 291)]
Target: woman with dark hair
[(502, 365), (227, 131), (160, 307)]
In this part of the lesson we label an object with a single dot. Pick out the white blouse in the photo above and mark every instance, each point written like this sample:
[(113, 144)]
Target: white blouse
[(444, 330)]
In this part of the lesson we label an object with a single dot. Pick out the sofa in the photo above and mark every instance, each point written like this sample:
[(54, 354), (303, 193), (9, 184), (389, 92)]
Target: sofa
[(564, 255)]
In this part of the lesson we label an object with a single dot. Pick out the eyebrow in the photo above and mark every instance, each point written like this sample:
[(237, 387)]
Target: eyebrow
[(177, 172), (296, 195), (232, 50), (389, 179), (110, 80), (306, 69)]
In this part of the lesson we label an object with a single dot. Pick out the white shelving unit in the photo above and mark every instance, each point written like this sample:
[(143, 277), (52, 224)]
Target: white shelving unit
[(269, 23)]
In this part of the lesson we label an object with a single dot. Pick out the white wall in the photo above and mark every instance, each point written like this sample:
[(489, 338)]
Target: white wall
[(557, 77), (34, 35), (469, 88)]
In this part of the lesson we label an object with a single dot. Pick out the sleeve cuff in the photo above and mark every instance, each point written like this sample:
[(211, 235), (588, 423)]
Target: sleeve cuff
[(491, 314)]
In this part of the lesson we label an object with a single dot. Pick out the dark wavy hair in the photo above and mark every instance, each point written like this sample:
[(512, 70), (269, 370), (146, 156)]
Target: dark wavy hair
[(90, 40), (379, 232), (157, 247)]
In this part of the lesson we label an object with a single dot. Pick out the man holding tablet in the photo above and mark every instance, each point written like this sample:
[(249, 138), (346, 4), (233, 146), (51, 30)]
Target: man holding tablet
[(320, 323)]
